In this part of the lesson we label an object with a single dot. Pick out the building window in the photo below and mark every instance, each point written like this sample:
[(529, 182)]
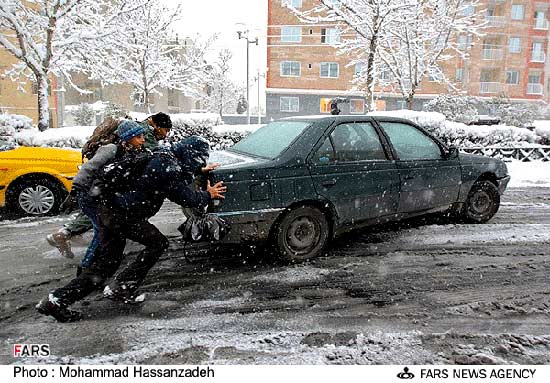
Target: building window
[(512, 77), (517, 11), (537, 52), (357, 106), (290, 68), (329, 70), (292, 3), (330, 36), (534, 85), (464, 42), (468, 10), (289, 104), (324, 105), (291, 34), (359, 68), (540, 20), (401, 104), (385, 73), (459, 74), (514, 44)]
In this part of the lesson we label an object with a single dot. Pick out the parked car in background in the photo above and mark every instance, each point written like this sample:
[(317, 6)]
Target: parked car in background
[(300, 181), (34, 181)]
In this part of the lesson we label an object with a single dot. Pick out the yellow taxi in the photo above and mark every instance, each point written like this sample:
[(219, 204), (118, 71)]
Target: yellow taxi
[(34, 181)]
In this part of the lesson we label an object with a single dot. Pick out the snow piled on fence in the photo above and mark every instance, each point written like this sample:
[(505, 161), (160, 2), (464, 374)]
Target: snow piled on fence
[(69, 137)]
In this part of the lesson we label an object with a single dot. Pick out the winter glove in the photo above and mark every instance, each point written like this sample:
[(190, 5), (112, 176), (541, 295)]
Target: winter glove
[(69, 204)]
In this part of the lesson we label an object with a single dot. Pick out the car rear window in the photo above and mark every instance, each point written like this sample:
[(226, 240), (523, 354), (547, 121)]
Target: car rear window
[(270, 140)]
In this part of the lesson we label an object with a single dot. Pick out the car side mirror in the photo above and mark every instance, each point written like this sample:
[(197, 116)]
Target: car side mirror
[(451, 153)]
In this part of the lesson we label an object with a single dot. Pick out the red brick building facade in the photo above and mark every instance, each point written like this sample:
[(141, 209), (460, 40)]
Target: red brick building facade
[(305, 70)]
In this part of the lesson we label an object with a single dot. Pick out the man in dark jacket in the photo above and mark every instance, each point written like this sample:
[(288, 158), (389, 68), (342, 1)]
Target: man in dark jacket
[(156, 128), (125, 216)]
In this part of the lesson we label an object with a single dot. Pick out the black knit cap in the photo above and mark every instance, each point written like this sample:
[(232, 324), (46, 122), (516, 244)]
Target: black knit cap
[(162, 120)]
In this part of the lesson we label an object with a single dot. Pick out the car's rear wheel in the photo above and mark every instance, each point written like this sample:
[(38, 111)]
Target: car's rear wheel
[(301, 234), (35, 196), (482, 203)]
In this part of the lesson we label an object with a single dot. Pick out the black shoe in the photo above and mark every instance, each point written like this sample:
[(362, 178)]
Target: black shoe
[(119, 293), (61, 314)]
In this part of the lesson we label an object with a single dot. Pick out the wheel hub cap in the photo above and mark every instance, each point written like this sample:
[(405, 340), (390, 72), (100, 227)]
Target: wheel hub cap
[(303, 234), (36, 200), (481, 202)]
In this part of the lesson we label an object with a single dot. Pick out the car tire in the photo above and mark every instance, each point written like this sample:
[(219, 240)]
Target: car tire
[(482, 202), (35, 197), (301, 234)]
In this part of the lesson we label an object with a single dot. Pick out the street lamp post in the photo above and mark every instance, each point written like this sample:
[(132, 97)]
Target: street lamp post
[(242, 32), (260, 75)]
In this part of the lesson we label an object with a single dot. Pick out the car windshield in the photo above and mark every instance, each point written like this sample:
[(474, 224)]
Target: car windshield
[(270, 140), (5, 145)]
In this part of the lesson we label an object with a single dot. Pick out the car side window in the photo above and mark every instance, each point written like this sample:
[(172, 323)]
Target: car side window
[(410, 143), (325, 154), (357, 142)]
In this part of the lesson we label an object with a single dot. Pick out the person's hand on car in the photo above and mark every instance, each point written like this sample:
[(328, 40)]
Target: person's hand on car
[(217, 191), (210, 167)]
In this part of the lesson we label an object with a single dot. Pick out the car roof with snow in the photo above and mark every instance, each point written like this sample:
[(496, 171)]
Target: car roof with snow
[(347, 118)]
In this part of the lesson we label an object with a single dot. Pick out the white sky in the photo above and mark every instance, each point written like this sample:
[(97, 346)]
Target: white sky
[(208, 17)]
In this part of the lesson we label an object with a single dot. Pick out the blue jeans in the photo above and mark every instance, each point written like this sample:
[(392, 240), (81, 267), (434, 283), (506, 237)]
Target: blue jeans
[(90, 208)]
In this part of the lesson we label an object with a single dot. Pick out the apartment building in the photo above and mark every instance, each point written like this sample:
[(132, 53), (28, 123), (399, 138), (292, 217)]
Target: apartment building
[(305, 71), (13, 100)]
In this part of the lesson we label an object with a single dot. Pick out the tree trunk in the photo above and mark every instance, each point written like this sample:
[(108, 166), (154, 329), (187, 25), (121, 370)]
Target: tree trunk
[(409, 101), (146, 101), (43, 103), (370, 74)]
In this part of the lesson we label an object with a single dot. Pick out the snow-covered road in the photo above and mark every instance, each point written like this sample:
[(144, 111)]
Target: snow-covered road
[(420, 292)]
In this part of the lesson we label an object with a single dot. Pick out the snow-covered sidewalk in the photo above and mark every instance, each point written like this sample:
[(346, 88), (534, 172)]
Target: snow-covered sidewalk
[(529, 174)]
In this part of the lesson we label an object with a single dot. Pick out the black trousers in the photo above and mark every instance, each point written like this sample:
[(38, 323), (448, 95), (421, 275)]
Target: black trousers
[(114, 229)]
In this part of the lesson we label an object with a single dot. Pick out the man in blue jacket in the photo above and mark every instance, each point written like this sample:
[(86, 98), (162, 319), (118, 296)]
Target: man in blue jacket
[(124, 215)]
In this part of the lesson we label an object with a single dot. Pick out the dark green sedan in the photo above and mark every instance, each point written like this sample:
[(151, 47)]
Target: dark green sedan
[(300, 181)]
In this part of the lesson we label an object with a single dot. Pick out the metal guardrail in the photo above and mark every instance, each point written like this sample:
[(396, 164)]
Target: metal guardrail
[(524, 154)]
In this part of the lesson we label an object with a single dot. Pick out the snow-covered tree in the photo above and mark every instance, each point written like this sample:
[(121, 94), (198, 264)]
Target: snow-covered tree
[(242, 105), (58, 37), (423, 38), (397, 43), (153, 61), (221, 92), (455, 107), (84, 114), (369, 22)]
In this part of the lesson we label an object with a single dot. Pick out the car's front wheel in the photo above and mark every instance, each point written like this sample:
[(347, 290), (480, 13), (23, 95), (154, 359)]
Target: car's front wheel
[(35, 196), (301, 234), (482, 203)]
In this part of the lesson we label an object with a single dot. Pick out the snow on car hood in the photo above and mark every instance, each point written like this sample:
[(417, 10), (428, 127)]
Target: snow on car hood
[(231, 159)]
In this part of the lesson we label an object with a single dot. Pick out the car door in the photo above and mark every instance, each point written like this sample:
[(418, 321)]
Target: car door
[(351, 169), (428, 179)]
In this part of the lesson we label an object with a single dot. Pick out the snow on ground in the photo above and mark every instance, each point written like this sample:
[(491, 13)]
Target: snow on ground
[(529, 174)]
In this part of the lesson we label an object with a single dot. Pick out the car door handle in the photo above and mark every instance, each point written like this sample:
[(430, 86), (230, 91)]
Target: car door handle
[(407, 178), (328, 183)]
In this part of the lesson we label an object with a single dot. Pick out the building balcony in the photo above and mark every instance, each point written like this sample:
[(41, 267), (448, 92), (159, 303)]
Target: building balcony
[(534, 88), (495, 21), (492, 53), (490, 87), (538, 57), (541, 24)]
